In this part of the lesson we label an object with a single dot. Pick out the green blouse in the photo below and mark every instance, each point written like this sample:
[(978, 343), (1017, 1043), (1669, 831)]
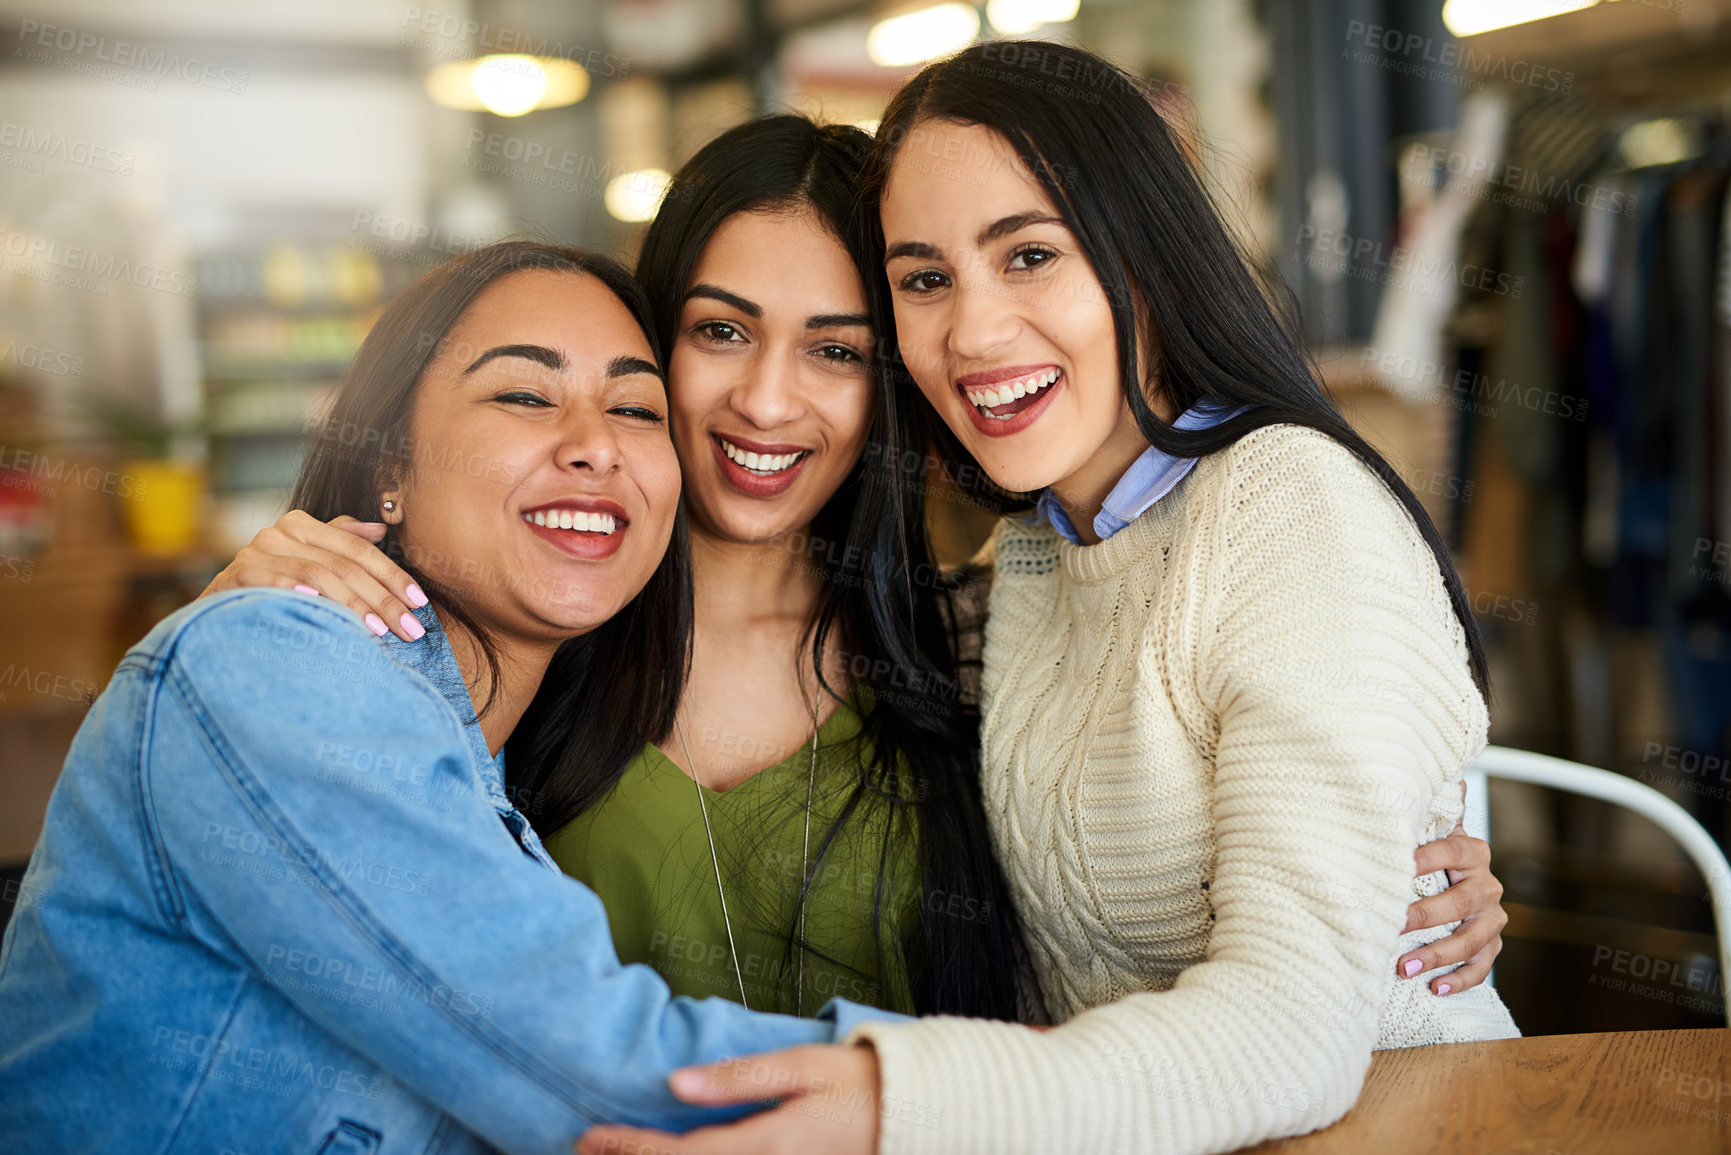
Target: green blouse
[(644, 851)]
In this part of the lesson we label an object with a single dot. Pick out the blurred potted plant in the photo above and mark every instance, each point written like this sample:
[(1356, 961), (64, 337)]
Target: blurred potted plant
[(161, 493)]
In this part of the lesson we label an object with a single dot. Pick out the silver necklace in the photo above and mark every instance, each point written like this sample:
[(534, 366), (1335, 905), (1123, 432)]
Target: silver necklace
[(804, 868)]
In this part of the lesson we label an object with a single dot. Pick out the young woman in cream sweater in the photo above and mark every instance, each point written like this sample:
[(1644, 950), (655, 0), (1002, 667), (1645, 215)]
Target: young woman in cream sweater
[(1231, 680)]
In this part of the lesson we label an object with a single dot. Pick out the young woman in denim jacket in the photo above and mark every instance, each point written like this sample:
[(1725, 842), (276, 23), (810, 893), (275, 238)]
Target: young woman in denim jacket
[(281, 901)]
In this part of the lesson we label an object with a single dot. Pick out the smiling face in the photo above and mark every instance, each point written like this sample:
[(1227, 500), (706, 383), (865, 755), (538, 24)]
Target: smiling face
[(773, 392), (544, 484), (1000, 316)]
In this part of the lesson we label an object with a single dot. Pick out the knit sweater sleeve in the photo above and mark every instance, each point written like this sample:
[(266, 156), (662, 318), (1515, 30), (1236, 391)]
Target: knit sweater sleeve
[(1325, 650)]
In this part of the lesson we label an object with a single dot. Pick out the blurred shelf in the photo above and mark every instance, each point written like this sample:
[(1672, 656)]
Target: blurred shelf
[(1632, 53), (279, 324), (236, 372)]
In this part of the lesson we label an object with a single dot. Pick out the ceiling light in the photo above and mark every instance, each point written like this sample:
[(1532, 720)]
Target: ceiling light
[(1026, 15), (921, 35), (635, 196), (507, 85), (1471, 17)]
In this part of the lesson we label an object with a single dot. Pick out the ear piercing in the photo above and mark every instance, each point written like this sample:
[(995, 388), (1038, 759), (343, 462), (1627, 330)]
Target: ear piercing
[(390, 506)]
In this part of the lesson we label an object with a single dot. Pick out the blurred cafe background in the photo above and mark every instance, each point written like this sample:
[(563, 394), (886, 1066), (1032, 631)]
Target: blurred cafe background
[(1505, 224)]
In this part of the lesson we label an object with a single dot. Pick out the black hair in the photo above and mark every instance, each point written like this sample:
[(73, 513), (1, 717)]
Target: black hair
[(605, 690), (883, 601), (1094, 140)]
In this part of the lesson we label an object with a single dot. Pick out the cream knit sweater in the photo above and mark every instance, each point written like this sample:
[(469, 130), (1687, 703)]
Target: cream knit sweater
[(1211, 744)]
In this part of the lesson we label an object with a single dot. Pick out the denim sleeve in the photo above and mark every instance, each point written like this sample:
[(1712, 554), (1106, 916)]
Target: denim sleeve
[(319, 815)]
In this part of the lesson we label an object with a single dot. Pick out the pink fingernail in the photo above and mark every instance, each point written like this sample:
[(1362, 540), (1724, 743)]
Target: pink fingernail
[(412, 627), (1443, 988), (308, 590), (1411, 967), (376, 624), (416, 597)]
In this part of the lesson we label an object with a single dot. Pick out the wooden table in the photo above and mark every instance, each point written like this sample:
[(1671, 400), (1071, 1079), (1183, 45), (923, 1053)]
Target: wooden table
[(1666, 1092)]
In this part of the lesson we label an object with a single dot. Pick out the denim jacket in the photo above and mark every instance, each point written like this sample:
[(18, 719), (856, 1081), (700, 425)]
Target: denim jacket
[(281, 903)]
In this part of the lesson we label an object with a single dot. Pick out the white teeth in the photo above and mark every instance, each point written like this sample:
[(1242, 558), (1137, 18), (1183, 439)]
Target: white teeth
[(574, 519), (990, 396), (759, 462)]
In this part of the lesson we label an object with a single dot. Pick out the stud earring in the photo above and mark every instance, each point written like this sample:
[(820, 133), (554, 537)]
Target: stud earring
[(390, 506)]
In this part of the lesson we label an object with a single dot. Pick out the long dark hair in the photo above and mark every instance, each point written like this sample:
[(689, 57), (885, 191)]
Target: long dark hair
[(604, 691), (882, 602), (1093, 139)]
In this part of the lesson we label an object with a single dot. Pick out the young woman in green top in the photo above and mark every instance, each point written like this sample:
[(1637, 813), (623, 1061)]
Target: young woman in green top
[(816, 611), (814, 595)]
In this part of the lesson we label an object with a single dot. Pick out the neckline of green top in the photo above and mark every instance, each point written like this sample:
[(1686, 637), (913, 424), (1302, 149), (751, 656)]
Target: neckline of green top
[(843, 724)]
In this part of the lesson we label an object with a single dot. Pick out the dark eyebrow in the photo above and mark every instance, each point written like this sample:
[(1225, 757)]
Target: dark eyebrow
[(837, 320), (627, 365), (1002, 228), (911, 249), (717, 293), (540, 354), (992, 232)]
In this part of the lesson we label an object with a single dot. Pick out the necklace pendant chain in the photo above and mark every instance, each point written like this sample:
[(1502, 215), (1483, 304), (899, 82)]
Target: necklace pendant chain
[(804, 867)]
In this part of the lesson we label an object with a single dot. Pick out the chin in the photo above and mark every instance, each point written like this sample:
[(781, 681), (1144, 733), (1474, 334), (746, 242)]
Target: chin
[(755, 523), (579, 613), (1015, 474)]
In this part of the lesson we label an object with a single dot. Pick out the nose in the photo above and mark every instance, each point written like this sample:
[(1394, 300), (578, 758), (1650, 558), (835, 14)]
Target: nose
[(588, 441), (769, 396), (983, 318)]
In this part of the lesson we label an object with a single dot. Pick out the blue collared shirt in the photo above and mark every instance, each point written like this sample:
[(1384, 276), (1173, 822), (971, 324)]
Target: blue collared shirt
[(1149, 478)]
